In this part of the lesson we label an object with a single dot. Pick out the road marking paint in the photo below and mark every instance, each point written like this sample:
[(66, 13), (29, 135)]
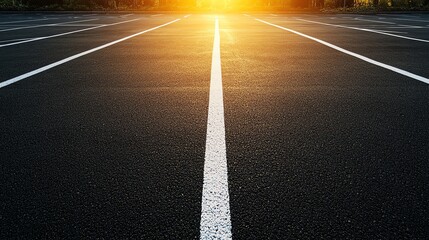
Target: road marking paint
[(63, 34), (81, 25), (247, 15), (14, 40), (273, 15), (391, 23), (156, 15), (46, 25), (366, 59), (388, 31), (215, 212), (367, 20), (407, 27), (65, 60), (127, 15), (33, 20), (187, 16), (412, 20), (367, 30), (396, 15)]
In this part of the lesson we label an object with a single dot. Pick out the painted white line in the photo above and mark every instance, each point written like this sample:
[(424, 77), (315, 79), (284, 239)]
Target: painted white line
[(15, 40), (34, 20), (407, 27), (63, 34), (366, 59), (388, 31), (397, 15), (65, 60), (412, 20), (80, 25), (273, 15), (156, 15), (215, 212), (247, 15), (367, 20), (46, 25), (391, 23), (127, 15), (187, 16), (367, 30)]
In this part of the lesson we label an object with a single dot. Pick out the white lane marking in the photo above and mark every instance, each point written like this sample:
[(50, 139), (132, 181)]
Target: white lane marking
[(187, 16), (46, 25), (63, 34), (127, 15), (156, 15), (215, 212), (412, 20), (80, 25), (14, 40), (65, 60), (391, 23), (34, 20), (367, 20), (407, 27), (273, 15), (366, 59), (388, 31), (367, 30), (247, 15)]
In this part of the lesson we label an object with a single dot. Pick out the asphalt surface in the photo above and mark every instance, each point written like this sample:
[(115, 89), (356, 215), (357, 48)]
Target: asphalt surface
[(319, 144)]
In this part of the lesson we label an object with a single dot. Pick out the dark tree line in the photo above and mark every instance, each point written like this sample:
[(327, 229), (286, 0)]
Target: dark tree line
[(101, 3), (206, 4)]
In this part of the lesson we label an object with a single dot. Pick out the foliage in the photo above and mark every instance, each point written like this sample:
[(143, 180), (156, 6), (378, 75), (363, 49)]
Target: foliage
[(351, 5)]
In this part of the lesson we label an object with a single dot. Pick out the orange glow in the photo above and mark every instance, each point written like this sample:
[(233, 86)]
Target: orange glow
[(240, 5)]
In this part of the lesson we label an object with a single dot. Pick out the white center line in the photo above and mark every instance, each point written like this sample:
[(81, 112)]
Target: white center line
[(62, 34), (366, 30), (215, 213), (55, 64), (366, 59)]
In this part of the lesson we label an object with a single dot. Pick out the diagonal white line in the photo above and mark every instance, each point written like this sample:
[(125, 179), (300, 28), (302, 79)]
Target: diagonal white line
[(32, 20), (46, 25), (52, 65), (62, 34), (366, 59), (366, 30), (215, 213)]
